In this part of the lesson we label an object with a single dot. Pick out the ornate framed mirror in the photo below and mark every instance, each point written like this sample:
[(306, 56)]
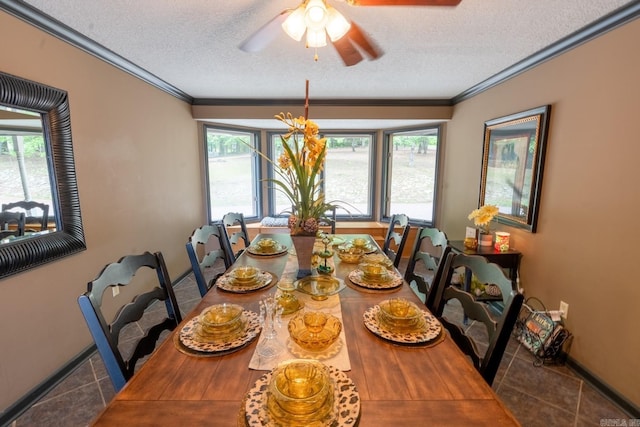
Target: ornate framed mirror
[(512, 166), (66, 234)]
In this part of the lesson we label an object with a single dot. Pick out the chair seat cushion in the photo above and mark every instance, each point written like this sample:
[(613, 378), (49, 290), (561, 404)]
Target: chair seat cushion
[(269, 221)]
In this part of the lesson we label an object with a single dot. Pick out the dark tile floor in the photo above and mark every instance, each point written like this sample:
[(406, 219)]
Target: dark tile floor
[(537, 396)]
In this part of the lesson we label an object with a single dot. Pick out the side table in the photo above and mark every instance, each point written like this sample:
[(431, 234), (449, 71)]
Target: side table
[(509, 260)]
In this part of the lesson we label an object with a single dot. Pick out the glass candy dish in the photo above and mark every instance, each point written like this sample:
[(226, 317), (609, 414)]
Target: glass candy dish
[(220, 322), (314, 331), (289, 303), (398, 314), (300, 392)]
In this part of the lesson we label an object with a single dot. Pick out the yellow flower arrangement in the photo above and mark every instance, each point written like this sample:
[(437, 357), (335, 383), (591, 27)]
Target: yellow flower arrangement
[(483, 216), (299, 168), (298, 171)]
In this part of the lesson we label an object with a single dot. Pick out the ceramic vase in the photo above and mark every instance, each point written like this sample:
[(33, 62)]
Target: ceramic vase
[(304, 253)]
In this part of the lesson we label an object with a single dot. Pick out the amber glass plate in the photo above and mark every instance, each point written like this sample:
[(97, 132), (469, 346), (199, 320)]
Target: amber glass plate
[(189, 336), (429, 331), (229, 284)]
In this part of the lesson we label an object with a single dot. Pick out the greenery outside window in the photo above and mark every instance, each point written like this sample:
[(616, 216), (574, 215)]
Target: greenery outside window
[(348, 174), (411, 172), (232, 172)]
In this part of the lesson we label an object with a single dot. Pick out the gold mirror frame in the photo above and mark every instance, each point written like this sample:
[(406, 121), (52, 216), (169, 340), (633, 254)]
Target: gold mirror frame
[(53, 105), (512, 166)]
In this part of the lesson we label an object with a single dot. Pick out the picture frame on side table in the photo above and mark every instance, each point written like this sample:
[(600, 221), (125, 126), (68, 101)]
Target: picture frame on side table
[(512, 166)]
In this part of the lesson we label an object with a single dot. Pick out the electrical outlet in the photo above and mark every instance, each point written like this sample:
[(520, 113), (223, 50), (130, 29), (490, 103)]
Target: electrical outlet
[(564, 309)]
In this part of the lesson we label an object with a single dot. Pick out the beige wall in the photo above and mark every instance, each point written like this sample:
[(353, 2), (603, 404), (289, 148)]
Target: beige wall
[(139, 178), (587, 239), (580, 254)]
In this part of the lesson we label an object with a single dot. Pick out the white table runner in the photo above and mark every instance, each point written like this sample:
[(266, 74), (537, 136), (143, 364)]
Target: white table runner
[(337, 355)]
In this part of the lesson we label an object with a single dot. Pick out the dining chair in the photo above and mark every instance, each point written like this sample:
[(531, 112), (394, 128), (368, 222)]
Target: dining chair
[(203, 260), (426, 263), (35, 213), (11, 224), (394, 241), (329, 220), (235, 219), (498, 327), (118, 276)]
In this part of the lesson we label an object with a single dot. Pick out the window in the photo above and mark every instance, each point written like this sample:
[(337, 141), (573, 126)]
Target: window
[(232, 172), (347, 176), (411, 172)]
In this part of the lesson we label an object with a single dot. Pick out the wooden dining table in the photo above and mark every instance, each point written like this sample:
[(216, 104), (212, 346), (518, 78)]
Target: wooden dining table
[(398, 385)]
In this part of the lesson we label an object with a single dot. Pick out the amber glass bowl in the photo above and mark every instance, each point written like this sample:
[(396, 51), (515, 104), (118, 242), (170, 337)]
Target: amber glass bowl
[(244, 275), (314, 330), (300, 390), (381, 259), (350, 254), (373, 271), (266, 245), (220, 322), (399, 314)]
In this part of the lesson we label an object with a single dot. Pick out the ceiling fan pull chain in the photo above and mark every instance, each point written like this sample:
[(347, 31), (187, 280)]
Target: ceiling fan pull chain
[(315, 57)]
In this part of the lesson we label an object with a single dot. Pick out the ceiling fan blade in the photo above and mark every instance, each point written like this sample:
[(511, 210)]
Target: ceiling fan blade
[(265, 35), (347, 51), (357, 36), (404, 2)]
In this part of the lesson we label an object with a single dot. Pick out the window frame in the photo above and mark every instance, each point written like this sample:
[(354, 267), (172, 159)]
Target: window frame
[(256, 170), (387, 155), (372, 174)]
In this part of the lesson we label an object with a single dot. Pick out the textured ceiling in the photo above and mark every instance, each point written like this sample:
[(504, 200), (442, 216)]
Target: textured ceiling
[(430, 52)]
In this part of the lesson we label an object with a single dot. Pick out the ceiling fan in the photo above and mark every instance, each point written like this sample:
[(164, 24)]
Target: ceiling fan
[(318, 19)]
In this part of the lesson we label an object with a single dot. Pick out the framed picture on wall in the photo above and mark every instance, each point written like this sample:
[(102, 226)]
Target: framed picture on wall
[(512, 166)]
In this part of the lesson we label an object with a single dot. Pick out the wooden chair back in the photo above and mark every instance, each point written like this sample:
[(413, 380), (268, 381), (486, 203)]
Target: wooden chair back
[(499, 327), (202, 260), (394, 242), (31, 218), (427, 258), (11, 224), (107, 334), (233, 238)]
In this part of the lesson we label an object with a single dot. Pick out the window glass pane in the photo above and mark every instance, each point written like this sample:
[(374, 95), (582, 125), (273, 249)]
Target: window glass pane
[(23, 159), (232, 173), (412, 173), (347, 173), (281, 204)]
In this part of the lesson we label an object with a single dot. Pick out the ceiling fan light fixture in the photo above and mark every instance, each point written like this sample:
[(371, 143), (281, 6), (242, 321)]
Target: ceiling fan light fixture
[(316, 38), (315, 16), (294, 25), (337, 25)]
